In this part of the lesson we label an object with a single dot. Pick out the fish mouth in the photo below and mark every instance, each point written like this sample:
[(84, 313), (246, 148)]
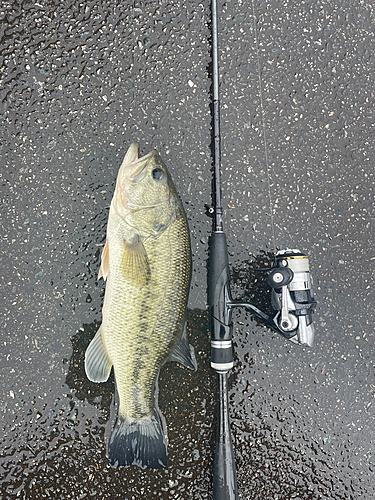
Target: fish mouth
[(139, 169), (136, 169)]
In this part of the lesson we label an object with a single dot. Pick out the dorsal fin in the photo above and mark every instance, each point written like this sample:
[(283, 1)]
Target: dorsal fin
[(97, 362), (104, 265)]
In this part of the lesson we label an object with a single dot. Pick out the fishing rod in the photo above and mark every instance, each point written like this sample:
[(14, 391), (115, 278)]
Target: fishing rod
[(292, 300), (224, 477)]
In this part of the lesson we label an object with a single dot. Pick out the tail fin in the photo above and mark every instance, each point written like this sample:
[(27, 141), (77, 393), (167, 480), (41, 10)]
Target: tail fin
[(140, 441)]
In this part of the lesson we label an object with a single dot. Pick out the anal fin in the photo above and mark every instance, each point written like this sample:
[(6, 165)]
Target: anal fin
[(97, 363), (183, 352)]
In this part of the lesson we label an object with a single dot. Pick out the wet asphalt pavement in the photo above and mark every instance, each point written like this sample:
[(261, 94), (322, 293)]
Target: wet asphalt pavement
[(79, 83)]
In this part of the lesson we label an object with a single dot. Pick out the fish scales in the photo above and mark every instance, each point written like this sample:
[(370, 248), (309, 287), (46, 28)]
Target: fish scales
[(147, 263), (151, 317)]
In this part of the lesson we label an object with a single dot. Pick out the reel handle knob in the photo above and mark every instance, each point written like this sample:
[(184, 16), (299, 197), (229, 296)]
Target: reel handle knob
[(279, 277)]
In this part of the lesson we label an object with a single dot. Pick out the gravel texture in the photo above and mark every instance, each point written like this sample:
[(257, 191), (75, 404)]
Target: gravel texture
[(78, 83)]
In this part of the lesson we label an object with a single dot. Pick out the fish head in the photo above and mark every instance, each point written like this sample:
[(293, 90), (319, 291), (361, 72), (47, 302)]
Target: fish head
[(144, 184)]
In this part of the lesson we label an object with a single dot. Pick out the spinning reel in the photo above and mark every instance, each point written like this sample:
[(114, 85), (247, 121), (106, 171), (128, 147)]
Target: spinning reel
[(292, 300), (293, 296)]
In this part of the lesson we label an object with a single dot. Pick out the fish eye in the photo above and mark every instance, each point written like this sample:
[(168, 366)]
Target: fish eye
[(157, 174)]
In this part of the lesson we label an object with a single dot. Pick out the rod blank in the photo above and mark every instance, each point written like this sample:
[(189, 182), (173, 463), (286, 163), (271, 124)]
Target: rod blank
[(218, 214)]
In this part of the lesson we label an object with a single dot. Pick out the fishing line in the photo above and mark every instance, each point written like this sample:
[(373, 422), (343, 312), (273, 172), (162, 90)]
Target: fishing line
[(264, 131)]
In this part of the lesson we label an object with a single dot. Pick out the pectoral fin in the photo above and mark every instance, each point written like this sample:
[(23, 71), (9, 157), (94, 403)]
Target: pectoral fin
[(183, 353), (134, 263), (104, 266), (97, 363)]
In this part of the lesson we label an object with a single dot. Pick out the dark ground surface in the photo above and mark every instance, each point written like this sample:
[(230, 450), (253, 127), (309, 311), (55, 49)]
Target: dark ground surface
[(79, 83)]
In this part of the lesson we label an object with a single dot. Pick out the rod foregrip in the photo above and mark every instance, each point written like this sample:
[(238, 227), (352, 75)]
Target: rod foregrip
[(219, 299)]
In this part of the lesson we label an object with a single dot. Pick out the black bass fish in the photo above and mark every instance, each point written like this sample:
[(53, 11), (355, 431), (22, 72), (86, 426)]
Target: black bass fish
[(146, 262)]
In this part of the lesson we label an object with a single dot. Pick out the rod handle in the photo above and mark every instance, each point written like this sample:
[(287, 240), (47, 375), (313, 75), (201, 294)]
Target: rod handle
[(224, 479), (219, 299)]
